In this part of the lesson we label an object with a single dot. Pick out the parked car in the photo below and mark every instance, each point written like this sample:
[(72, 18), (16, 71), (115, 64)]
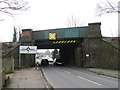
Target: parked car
[(50, 60), (58, 62), (44, 62)]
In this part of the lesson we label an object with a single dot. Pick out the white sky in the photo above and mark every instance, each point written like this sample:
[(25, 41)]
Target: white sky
[(49, 14)]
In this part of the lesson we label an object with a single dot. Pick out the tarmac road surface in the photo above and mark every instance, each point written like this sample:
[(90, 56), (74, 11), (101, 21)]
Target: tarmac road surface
[(65, 77)]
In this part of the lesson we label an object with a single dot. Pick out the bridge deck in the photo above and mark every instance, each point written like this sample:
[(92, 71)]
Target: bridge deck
[(75, 32)]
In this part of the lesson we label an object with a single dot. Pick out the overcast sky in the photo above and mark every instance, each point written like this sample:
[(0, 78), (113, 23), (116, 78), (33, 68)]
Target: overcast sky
[(49, 14)]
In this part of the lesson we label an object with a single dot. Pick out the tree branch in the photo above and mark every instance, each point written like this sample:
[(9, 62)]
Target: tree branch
[(111, 5), (74, 21), (107, 7), (7, 6)]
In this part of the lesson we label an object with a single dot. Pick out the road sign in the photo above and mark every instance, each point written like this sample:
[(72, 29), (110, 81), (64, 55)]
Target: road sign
[(52, 36), (28, 49)]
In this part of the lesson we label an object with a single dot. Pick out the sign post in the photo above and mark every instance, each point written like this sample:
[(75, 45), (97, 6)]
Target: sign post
[(19, 60), (26, 50)]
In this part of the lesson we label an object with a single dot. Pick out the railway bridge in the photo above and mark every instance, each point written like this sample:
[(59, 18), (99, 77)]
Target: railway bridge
[(78, 45)]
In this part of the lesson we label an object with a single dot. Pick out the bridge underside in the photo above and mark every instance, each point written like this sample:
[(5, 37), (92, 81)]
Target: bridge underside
[(67, 48), (47, 44)]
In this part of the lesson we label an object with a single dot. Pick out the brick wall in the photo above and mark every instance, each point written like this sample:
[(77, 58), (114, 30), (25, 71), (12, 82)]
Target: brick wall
[(110, 55), (102, 54)]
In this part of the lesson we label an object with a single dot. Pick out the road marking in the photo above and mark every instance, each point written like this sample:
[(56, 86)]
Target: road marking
[(67, 71), (89, 80), (46, 78)]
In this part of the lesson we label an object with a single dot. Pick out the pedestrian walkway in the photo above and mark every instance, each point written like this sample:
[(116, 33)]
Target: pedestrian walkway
[(107, 72), (27, 78), (99, 71)]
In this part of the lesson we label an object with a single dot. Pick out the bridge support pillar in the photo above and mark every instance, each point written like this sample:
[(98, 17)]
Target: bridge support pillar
[(92, 45), (27, 60), (78, 56)]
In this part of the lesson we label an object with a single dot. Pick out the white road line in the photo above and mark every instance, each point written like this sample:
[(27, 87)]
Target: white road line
[(89, 80), (46, 78), (67, 71)]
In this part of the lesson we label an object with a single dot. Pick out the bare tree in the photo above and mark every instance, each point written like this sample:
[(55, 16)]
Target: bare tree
[(74, 21), (10, 6), (107, 7)]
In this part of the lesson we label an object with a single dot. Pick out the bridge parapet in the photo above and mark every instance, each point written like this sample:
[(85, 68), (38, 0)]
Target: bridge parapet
[(26, 35)]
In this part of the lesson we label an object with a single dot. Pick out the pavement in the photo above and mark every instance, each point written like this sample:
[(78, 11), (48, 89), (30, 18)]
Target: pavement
[(99, 71), (106, 72), (26, 78)]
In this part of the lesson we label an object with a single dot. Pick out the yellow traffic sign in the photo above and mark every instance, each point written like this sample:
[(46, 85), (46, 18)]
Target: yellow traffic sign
[(52, 36)]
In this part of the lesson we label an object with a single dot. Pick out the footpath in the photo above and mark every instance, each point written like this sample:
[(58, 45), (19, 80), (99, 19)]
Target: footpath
[(29, 78), (99, 71), (106, 72)]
